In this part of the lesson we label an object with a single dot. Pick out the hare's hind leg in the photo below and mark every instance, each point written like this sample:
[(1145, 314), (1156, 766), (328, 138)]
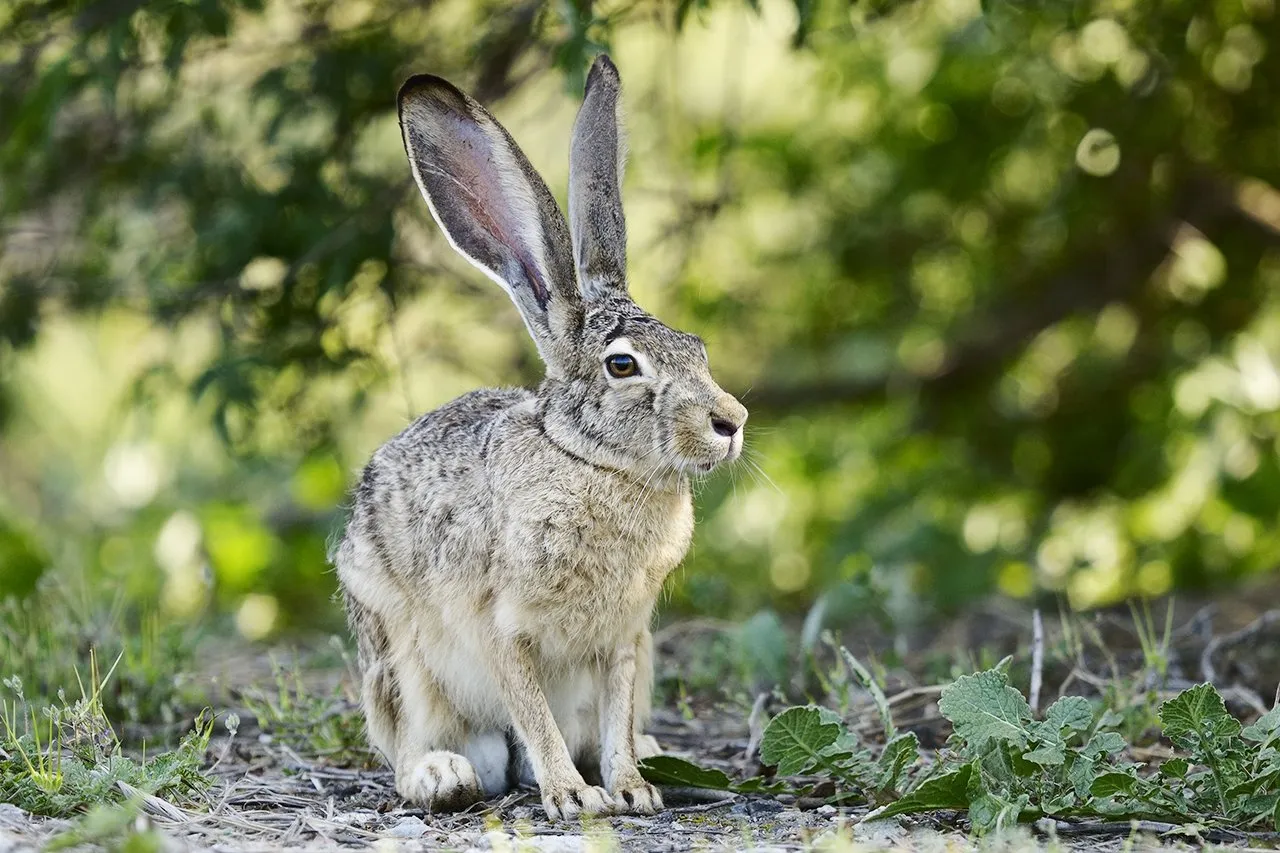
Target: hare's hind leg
[(439, 763), (379, 692), (411, 722)]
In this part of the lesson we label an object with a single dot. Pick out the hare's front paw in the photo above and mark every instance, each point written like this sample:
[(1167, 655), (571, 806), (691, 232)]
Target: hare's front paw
[(571, 800), (441, 781), (647, 746), (636, 796)]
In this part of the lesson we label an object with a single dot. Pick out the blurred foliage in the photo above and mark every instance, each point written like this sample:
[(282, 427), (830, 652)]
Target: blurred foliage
[(998, 282)]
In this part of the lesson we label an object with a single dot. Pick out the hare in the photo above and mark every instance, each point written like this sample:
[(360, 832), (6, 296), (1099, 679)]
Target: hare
[(505, 552)]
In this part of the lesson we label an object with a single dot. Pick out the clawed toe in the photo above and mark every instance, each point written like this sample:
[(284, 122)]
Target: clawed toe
[(441, 781), (638, 798), (571, 802)]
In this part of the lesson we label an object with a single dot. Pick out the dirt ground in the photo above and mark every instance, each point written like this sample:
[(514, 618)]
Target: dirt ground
[(270, 797)]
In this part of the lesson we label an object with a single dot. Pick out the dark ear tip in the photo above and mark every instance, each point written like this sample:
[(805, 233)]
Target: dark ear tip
[(604, 68), (429, 86)]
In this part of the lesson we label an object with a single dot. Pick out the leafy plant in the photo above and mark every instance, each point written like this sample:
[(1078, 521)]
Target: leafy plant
[(60, 759), (1004, 766)]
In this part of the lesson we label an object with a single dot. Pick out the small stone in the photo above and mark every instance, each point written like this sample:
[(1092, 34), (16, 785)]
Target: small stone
[(408, 827), (827, 811), (758, 808), (554, 843), (356, 818)]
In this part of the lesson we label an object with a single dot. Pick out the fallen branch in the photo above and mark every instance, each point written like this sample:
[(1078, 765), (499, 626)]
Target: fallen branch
[(1049, 826), (1217, 644)]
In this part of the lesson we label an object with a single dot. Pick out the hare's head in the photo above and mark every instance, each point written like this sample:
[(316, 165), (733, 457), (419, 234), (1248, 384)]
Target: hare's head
[(622, 388)]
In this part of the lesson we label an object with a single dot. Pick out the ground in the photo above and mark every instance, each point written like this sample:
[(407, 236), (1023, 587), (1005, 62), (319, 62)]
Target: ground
[(281, 785)]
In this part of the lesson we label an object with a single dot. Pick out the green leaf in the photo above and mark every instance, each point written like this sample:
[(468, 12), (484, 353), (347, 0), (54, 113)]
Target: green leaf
[(1264, 728), (1197, 720), (669, 770), (1047, 755), (1070, 712), (991, 812), (949, 790), (798, 738), (1104, 743), (1258, 806), (899, 754), (1112, 784), (1081, 774), (984, 708), (1175, 768)]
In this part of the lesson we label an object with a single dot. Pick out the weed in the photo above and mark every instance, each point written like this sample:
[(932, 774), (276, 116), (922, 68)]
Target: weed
[(327, 725), (1003, 766), (59, 759)]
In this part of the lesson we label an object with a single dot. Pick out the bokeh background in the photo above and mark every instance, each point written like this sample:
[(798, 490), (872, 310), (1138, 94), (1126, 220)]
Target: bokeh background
[(999, 282)]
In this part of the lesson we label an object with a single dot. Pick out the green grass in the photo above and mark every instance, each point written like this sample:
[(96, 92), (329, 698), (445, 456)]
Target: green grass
[(61, 758), (324, 724), (46, 638)]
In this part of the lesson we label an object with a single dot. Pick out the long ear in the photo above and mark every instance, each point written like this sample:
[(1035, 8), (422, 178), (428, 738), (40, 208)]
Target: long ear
[(493, 207), (596, 160)]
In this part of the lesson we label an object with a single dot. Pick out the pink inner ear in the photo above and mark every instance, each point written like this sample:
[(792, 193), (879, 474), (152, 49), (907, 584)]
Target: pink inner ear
[(487, 197)]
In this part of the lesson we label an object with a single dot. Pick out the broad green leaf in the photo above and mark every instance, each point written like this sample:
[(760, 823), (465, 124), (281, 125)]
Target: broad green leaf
[(1110, 719), (1104, 743), (949, 790), (1175, 768), (1047, 755), (1060, 804), (1081, 774), (1258, 806), (899, 754), (1111, 784), (990, 812), (983, 708), (1070, 712), (1264, 728), (798, 738), (1197, 720), (669, 770)]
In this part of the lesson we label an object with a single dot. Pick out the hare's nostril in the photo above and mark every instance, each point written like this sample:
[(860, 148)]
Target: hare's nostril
[(723, 427)]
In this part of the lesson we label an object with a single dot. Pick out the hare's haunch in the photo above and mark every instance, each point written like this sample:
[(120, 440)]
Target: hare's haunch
[(505, 551)]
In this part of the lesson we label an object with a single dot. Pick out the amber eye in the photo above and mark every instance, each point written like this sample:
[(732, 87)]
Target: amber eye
[(621, 366)]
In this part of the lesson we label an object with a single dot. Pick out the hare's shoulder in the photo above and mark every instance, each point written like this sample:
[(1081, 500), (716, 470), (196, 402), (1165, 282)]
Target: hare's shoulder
[(463, 424)]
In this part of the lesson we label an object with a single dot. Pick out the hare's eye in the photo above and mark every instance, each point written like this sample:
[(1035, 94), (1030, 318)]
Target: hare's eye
[(621, 366)]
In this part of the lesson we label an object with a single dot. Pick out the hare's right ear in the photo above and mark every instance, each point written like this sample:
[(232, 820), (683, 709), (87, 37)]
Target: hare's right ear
[(493, 207)]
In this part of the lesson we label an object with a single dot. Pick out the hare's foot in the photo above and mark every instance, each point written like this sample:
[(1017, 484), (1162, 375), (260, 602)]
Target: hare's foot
[(573, 798), (647, 746), (636, 796), (440, 781)]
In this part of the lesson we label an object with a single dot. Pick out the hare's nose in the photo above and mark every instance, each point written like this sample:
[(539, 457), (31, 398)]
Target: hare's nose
[(728, 417), (724, 427)]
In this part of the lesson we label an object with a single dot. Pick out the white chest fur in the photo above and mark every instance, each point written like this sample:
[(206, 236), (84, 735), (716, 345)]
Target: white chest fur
[(594, 551)]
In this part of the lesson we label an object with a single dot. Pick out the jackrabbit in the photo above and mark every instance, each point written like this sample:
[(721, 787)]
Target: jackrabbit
[(505, 551)]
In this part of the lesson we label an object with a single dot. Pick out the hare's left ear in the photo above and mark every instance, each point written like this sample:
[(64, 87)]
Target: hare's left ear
[(596, 157)]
